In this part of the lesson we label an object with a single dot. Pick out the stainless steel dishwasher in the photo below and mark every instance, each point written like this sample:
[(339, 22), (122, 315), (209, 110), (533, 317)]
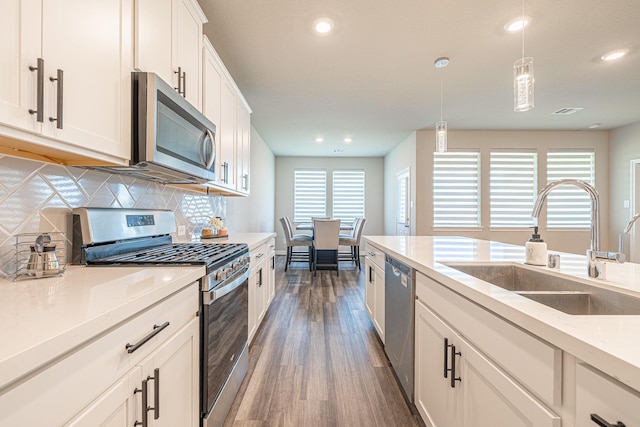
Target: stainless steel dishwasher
[(399, 299)]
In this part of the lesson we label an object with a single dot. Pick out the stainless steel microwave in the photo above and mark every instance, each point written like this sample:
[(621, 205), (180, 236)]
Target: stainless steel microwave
[(171, 141)]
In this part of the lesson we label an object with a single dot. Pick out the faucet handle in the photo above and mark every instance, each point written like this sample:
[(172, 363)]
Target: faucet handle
[(617, 257)]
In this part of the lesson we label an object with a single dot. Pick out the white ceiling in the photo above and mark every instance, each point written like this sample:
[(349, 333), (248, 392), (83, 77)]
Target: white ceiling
[(373, 77)]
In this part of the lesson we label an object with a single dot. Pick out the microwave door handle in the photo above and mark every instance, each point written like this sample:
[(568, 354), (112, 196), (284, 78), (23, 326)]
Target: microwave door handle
[(212, 141), (209, 162)]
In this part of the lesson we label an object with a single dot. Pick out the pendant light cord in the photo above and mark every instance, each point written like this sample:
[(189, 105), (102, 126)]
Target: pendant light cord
[(440, 98), (523, 26)]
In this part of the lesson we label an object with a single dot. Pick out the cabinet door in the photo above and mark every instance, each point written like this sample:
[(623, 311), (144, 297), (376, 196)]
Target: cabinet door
[(153, 39), (211, 86), (187, 49), (172, 372), (227, 134), (243, 147), (117, 407), (91, 43), (604, 397), (493, 397), (438, 403), (255, 300), (369, 287), (378, 311), (20, 49)]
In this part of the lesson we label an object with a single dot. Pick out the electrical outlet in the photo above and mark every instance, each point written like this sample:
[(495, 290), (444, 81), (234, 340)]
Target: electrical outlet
[(182, 230), (626, 204)]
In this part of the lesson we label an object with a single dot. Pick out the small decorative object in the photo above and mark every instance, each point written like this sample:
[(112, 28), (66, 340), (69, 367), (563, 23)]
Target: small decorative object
[(215, 229)]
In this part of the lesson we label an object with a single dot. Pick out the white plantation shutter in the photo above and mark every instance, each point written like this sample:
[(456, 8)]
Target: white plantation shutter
[(512, 188), (456, 189), (310, 198), (568, 206), (348, 194)]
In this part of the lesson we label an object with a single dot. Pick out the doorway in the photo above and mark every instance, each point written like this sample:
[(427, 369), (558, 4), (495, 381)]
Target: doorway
[(403, 203), (634, 236)]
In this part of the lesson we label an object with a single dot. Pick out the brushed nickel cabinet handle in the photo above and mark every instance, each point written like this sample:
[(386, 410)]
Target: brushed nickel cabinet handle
[(59, 79), (156, 330), (39, 111)]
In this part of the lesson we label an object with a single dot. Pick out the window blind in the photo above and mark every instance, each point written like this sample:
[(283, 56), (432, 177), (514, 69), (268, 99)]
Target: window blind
[(568, 206), (512, 188), (348, 194), (310, 194), (456, 189)]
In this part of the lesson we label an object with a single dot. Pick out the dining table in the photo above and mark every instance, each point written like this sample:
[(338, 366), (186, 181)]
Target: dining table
[(308, 226)]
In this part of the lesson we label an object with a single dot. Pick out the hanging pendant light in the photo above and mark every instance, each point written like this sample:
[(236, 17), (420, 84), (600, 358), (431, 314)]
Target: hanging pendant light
[(523, 79), (441, 126)]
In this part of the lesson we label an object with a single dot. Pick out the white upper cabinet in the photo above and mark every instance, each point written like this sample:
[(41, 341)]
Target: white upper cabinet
[(68, 78), (225, 106), (168, 42)]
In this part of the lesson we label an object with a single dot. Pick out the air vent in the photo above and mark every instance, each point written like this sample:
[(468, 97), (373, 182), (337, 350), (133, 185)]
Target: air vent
[(568, 110)]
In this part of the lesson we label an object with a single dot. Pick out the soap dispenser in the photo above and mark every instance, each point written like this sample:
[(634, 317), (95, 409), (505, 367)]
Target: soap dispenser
[(536, 249)]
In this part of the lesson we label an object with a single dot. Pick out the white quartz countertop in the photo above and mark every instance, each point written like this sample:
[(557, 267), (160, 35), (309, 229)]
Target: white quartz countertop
[(609, 343), (252, 239), (44, 318)]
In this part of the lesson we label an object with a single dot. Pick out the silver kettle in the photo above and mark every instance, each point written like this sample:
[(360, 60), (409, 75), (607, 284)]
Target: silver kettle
[(43, 260)]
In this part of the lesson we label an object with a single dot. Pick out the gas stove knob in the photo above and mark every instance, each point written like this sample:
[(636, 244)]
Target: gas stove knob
[(222, 274)]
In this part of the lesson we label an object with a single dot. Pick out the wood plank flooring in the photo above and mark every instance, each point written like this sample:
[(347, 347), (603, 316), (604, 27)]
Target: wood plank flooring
[(316, 360)]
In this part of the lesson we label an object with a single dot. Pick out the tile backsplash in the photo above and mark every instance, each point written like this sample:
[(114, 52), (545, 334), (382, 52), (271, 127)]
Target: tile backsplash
[(39, 197)]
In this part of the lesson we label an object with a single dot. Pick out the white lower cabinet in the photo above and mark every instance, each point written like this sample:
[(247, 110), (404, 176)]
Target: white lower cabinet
[(602, 398), (101, 382), (374, 289), (168, 378), (458, 385), (257, 288)]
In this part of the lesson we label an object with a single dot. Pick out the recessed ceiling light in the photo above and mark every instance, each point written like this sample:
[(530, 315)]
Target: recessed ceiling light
[(566, 111), (338, 150), (319, 140), (441, 62), (323, 25), (616, 54), (595, 125), (348, 140), (518, 24)]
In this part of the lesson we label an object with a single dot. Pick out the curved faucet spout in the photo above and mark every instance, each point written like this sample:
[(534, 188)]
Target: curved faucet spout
[(633, 219), (595, 205)]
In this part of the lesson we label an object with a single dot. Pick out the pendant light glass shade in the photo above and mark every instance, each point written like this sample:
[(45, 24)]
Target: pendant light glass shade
[(441, 136), (523, 84)]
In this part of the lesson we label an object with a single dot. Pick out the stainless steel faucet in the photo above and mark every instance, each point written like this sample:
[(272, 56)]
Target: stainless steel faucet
[(595, 256), (626, 231)]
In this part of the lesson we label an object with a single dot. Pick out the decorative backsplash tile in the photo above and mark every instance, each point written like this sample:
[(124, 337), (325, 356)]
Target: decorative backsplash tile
[(39, 197)]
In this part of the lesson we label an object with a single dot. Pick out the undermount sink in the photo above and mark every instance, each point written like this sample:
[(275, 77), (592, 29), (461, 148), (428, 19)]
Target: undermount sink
[(561, 293)]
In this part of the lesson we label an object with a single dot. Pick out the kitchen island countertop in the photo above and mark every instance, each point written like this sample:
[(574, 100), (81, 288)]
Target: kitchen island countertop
[(607, 342)]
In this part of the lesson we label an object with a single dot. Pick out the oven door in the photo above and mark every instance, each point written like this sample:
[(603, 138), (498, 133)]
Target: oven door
[(225, 361)]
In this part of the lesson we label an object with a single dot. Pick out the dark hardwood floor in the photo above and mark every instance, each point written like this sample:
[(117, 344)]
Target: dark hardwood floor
[(316, 360)]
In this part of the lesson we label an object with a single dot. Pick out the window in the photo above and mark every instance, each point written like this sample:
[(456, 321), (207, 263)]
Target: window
[(568, 206), (512, 188), (456, 189), (310, 194), (348, 194)]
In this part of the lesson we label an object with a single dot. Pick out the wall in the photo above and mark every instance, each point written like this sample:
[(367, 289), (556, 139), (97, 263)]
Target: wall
[(256, 212), (624, 146), (374, 184), (567, 241), (38, 197), (401, 157)]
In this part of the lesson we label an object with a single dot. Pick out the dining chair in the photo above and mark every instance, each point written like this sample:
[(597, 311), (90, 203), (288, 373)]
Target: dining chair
[(353, 241), (326, 242), (292, 241)]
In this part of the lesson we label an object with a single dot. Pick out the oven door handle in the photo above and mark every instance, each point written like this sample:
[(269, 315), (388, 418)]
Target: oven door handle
[(217, 293)]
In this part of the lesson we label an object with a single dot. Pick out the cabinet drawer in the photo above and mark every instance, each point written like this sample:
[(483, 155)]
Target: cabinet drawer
[(258, 254), (534, 363), (375, 255), (61, 389), (599, 394)]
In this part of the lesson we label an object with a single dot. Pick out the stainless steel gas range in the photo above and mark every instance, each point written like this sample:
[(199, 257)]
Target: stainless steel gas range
[(140, 237)]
